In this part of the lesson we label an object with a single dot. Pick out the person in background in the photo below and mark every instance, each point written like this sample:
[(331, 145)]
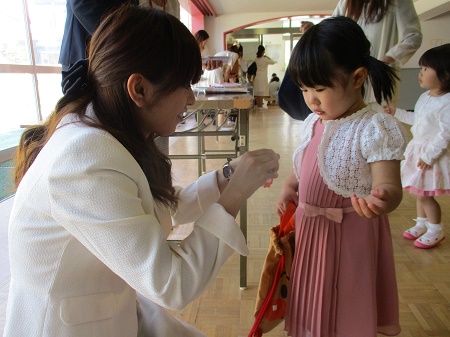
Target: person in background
[(169, 6), (95, 201), (426, 168), (305, 25), (274, 86), (202, 38), (260, 84), (290, 97), (343, 281), (223, 74), (243, 65), (82, 17), (393, 29)]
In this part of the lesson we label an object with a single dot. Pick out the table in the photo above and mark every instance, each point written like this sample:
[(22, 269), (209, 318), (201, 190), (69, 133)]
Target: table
[(237, 105)]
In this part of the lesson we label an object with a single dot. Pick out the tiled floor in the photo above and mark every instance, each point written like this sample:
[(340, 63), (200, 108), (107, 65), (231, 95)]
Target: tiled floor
[(423, 276)]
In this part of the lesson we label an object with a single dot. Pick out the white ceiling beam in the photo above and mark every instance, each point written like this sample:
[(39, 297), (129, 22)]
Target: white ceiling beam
[(428, 9)]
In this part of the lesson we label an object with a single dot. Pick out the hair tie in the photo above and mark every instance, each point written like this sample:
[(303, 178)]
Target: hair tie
[(75, 78)]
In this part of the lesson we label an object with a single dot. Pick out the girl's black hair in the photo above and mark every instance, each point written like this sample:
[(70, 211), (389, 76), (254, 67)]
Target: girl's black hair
[(438, 58), (260, 52), (334, 48)]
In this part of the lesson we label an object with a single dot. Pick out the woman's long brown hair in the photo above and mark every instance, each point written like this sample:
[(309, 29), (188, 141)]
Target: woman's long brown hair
[(370, 10), (129, 40)]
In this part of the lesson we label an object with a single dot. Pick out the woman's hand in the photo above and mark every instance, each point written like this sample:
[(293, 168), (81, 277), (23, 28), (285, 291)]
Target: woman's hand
[(250, 172)]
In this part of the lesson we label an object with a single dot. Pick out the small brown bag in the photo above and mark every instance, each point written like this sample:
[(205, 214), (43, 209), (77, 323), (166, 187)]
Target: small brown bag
[(270, 308)]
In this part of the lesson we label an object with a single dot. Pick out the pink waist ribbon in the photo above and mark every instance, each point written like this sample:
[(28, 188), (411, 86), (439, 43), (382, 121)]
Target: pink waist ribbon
[(333, 214)]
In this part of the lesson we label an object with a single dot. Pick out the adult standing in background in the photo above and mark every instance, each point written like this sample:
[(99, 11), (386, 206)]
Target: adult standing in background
[(260, 84), (290, 97), (202, 38), (391, 26), (169, 6), (222, 74), (82, 17)]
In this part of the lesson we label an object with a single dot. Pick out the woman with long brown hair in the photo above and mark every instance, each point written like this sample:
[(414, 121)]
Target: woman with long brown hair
[(391, 26), (95, 200)]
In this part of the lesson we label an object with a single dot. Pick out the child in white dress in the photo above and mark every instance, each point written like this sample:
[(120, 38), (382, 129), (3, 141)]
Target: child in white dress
[(426, 168), (345, 180)]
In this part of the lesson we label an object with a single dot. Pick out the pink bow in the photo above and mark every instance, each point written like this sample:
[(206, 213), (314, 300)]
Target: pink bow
[(333, 214)]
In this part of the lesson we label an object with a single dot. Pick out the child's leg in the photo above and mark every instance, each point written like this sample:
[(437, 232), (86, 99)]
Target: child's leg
[(431, 209), (420, 228), (434, 234)]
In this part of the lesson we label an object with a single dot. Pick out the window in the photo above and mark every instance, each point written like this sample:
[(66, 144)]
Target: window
[(30, 38)]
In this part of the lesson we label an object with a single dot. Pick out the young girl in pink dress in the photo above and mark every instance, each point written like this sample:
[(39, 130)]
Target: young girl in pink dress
[(426, 168), (346, 178)]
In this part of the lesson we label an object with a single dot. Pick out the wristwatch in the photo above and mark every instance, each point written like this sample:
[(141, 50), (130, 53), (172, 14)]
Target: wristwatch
[(227, 169)]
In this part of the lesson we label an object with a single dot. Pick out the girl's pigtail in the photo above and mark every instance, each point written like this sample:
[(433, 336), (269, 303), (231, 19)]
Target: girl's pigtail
[(382, 77)]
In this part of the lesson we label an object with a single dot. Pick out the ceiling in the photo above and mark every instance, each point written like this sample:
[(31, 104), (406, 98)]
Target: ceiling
[(425, 8), (227, 7)]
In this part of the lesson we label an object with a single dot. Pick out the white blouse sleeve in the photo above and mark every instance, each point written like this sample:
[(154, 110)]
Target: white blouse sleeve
[(405, 116), (441, 140), (383, 139), (100, 195)]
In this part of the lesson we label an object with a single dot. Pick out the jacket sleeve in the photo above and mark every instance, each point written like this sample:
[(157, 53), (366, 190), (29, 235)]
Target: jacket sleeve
[(409, 32), (340, 8), (100, 195), (195, 198)]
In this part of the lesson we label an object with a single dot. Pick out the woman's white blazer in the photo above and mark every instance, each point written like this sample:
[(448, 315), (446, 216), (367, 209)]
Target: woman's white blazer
[(86, 235)]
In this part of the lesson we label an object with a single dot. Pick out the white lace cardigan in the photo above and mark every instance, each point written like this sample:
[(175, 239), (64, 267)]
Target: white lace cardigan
[(348, 145)]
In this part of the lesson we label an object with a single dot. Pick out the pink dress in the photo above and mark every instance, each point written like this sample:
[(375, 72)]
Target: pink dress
[(343, 278)]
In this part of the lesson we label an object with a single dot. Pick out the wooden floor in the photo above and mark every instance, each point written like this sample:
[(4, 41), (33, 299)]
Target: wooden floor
[(226, 311)]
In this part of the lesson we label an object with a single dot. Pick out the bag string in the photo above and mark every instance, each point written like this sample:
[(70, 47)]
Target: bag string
[(256, 330)]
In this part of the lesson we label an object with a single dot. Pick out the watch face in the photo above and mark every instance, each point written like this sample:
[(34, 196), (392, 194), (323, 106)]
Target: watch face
[(227, 171)]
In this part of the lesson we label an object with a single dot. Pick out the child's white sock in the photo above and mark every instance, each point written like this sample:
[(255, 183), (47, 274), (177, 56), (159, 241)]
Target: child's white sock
[(422, 222), (434, 228)]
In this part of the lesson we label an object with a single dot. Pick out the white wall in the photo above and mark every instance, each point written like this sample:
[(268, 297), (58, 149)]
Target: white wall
[(433, 29), (216, 26)]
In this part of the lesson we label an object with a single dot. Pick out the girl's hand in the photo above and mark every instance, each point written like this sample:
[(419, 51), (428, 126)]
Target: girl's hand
[(288, 193), (422, 165), (373, 205), (389, 108)]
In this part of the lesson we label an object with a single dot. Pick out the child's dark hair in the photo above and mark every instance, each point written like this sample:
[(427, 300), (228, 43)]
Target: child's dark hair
[(260, 51), (333, 48), (438, 58)]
